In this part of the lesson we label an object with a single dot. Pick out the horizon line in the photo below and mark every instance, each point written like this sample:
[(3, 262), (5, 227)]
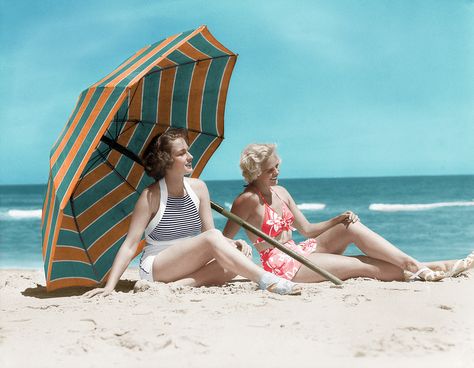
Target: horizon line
[(302, 178)]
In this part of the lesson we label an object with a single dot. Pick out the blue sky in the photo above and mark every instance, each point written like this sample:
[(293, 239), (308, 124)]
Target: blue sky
[(345, 88)]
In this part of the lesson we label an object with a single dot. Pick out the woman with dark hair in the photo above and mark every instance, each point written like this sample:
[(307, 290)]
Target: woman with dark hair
[(182, 244), (270, 207)]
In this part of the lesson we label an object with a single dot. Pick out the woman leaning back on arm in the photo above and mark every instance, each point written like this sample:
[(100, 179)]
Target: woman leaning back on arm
[(271, 208), (182, 244)]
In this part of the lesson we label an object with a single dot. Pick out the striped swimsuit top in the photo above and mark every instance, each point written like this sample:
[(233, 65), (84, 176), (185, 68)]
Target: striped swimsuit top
[(177, 218)]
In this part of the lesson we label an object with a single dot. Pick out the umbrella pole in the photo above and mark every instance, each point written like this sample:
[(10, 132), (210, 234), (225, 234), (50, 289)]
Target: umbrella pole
[(276, 244)]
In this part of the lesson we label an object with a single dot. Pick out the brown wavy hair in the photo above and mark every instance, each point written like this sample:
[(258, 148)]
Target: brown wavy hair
[(157, 155)]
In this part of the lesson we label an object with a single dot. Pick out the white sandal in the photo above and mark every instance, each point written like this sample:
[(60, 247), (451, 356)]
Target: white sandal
[(275, 284), (424, 274), (461, 265)]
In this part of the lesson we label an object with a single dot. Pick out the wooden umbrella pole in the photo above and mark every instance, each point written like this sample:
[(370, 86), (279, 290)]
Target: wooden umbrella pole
[(276, 244)]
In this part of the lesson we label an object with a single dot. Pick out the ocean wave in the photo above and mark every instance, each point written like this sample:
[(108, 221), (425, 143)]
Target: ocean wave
[(20, 214), (416, 206), (311, 206)]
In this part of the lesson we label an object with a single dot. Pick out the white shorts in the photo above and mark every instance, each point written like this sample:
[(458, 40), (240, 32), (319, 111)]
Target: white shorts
[(146, 268), (148, 256)]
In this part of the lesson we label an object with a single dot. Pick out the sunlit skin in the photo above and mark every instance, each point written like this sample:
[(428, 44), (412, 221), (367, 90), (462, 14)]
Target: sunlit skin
[(381, 259), (182, 162)]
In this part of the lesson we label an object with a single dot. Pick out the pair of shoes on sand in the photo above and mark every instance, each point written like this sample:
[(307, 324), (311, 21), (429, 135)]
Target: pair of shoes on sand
[(426, 274), (277, 285)]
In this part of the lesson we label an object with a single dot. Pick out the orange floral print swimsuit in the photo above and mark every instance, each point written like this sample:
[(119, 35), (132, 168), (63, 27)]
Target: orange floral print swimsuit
[(273, 259)]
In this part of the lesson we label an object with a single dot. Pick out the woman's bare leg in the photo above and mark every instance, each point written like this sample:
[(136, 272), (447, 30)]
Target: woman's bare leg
[(453, 267), (338, 238), (444, 266), (346, 267), (191, 255), (211, 274)]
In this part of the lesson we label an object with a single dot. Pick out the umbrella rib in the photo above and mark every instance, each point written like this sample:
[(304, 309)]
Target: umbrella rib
[(71, 201), (122, 121), (121, 149), (86, 171), (113, 168), (117, 130), (91, 166)]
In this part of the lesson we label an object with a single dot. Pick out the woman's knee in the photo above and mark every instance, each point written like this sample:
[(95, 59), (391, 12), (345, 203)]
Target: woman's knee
[(213, 237), (352, 230), (344, 232)]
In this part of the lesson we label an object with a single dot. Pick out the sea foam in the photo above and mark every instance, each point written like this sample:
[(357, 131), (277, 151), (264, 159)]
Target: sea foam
[(302, 206), (311, 206), (416, 206), (20, 214)]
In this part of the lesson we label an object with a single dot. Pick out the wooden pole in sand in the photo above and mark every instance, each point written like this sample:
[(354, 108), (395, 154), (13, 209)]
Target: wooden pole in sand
[(276, 244)]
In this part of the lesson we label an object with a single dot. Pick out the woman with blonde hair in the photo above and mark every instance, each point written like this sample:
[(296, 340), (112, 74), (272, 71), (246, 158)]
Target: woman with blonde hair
[(270, 207), (182, 244)]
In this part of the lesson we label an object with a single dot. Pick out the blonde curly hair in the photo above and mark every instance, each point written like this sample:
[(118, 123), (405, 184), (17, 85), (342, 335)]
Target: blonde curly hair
[(253, 157)]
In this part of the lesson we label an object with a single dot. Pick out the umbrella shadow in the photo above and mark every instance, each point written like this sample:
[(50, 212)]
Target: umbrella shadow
[(40, 291)]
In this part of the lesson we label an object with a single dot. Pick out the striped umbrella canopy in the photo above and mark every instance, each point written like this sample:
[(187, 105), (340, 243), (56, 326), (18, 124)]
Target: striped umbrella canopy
[(96, 175)]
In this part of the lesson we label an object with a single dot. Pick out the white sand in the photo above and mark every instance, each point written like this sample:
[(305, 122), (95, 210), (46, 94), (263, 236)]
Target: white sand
[(364, 324)]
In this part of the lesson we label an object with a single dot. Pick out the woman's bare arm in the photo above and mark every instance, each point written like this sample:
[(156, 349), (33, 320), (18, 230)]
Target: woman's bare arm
[(244, 206), (205, 211), (312, 230)]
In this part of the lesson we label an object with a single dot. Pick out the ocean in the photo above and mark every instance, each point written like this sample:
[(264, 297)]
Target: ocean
[(429, 217)]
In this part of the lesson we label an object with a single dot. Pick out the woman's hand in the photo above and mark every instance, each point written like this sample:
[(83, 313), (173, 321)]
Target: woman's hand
[(243, 247), (101, 292), (348, 218)]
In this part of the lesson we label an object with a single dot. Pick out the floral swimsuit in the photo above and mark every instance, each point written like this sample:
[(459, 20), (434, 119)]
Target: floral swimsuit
[(273, 259)]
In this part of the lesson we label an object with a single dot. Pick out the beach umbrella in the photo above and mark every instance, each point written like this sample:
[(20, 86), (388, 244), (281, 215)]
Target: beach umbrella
[(95, 172)]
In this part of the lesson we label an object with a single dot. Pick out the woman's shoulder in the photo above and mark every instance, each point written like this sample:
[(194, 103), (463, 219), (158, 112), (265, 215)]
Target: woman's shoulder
[(247, 198), (153, 190), (151, 195), (280, 190), (198, 185)]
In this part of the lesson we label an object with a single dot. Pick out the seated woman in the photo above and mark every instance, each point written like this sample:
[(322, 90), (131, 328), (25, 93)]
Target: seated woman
[(182, 244), (271, 208)]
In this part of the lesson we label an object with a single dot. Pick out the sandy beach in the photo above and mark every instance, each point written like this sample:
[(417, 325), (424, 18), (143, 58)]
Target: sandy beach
[(364, 324)]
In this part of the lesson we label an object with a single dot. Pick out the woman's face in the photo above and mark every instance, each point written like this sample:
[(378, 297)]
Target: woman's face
[(182, 159), (270, 171)]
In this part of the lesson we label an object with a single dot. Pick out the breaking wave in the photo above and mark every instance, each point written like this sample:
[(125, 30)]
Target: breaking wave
[(416, 206), (15, 214), (311, 206)]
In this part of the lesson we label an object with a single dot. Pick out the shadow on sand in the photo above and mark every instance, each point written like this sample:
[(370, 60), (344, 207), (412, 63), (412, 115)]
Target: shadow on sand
[(40, 292)]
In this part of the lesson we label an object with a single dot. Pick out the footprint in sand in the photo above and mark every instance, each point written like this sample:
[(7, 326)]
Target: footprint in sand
[(141, 286), (418, 329), (407, 340), (445, 307), (355, 299)]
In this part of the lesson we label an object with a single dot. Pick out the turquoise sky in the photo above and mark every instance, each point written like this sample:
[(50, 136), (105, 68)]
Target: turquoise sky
[(345, 88)]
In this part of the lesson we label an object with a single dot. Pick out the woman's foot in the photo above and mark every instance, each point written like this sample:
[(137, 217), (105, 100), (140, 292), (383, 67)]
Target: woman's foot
[(424, 274), (275, 284), (462, 265)]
